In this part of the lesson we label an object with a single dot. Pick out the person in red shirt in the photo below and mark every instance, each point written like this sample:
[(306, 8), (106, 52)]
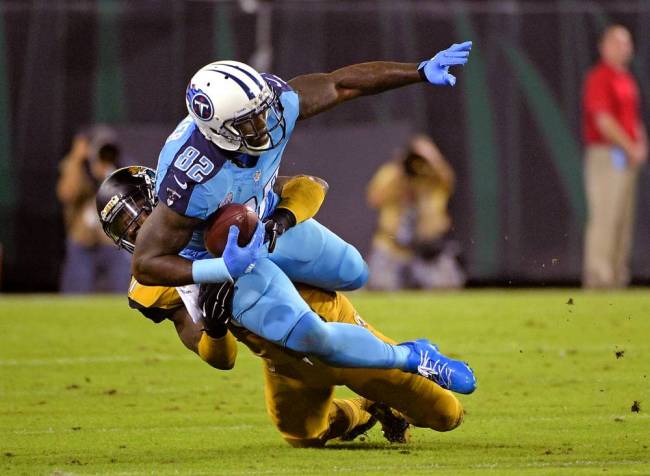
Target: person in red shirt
[(616, 146)]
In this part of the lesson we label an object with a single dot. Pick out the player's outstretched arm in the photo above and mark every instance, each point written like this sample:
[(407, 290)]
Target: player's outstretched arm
[(321, 91), (162, 236)]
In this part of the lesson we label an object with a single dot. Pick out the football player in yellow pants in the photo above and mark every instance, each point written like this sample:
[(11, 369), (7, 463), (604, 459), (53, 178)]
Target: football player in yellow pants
[(298, 389)]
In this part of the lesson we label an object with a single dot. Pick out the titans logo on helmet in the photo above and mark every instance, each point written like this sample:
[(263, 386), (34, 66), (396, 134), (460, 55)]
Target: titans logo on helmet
[(200, 103)]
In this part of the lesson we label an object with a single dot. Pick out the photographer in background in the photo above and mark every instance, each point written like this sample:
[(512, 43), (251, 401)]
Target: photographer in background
[(92, 263), (409, 249)]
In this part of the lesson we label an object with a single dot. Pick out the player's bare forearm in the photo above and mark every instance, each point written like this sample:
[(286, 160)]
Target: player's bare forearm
[(219, 353), (188, 331), (322, 91), (161, 238)]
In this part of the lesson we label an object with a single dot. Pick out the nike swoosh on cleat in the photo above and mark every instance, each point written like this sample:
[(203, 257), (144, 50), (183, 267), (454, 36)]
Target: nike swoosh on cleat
[(182, 185)]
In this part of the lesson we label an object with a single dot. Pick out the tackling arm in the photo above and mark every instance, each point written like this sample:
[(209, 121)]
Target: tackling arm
[(300, 199), (302, 195), (282, 180), (219, 351)]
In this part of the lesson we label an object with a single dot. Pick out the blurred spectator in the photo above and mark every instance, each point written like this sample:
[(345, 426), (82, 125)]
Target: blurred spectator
[(92, 263), (616, 147), (409, 248)]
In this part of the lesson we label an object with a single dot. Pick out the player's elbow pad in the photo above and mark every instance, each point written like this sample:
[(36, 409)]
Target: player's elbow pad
[(303, 197)]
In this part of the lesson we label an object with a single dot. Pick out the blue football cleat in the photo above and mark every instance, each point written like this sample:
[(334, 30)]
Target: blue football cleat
[(425, 359)]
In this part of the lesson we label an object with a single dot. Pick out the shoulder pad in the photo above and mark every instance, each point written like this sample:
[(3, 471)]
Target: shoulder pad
[(195, 162)]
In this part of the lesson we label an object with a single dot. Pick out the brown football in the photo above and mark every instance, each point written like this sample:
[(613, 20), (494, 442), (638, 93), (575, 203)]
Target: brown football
[(215, 235)]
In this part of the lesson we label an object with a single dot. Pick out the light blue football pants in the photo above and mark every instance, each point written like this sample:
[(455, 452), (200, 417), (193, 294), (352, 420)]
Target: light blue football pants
[(267, 303), (310, 253)]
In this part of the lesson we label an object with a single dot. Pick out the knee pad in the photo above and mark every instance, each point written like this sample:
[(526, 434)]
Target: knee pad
[(449, 415), (353, 270)]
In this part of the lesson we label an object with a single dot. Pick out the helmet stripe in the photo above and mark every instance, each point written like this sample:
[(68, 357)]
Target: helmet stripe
[(247, 73), (241, 83)]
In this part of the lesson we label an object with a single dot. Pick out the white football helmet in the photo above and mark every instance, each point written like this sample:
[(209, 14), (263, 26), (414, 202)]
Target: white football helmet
[(232, 104)]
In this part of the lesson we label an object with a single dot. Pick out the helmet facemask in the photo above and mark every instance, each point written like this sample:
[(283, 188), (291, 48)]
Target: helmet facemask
[(247, 127), (124, 201), (125, 220)]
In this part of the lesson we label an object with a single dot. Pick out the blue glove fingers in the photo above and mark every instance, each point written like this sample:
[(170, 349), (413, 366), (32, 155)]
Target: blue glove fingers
[(451, 61), (450, 79), (466, 46), (233, 235), (456, 54), (238, 260)]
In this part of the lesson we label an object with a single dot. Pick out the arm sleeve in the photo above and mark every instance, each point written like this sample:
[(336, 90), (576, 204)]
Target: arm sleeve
[(303, 197), (219, 352)]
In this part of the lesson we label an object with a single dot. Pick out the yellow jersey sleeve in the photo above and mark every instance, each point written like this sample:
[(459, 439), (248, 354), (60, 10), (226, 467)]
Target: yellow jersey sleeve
[(303, 197), (156, 303)]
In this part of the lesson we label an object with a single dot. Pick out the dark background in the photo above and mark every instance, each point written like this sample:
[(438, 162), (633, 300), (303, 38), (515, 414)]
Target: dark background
[(510, 127)]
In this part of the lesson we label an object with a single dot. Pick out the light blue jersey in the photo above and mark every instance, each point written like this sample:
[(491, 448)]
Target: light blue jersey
[(195, 177)]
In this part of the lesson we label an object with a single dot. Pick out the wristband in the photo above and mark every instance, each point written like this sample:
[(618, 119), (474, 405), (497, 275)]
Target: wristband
[(211, 270), (421, 71), (217, 331), (284, 217)]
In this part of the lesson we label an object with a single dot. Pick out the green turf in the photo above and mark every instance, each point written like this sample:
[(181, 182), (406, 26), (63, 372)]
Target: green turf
[(87, 386)]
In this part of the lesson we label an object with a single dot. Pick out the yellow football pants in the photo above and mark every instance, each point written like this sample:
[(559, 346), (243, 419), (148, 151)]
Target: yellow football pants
[(299, 391)]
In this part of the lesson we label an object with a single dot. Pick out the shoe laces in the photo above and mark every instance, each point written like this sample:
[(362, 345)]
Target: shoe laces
[(435, 370)]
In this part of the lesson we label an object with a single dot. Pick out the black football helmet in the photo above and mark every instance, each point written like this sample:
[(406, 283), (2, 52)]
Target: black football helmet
[(124, 200)]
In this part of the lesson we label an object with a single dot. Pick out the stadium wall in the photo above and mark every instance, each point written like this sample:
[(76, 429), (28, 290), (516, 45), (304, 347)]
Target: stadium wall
[(510, 128)]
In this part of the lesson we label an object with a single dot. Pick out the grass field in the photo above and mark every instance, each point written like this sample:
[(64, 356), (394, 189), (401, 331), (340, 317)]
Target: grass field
[(87, 386)]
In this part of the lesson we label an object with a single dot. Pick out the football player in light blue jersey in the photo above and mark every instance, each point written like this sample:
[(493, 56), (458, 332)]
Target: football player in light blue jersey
[(229, 149)]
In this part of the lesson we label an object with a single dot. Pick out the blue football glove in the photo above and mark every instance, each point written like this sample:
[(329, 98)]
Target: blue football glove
[(436, 70), (238, 260)]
